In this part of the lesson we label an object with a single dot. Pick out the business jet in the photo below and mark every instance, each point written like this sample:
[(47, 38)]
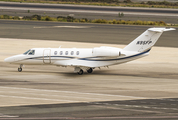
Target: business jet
[(88, 59)]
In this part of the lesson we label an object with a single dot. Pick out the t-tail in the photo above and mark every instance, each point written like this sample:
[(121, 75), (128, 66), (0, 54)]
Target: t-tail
[(146, 40)]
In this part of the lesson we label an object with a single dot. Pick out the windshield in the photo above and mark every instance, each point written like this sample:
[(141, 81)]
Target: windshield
[(26, 52), (32, 52)]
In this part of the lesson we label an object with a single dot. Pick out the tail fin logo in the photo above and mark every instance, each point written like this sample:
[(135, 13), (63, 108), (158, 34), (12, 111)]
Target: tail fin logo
[(143, 42)]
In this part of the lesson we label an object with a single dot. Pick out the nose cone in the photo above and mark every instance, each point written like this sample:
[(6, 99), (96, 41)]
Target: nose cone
[(9, 60), (14, 59)]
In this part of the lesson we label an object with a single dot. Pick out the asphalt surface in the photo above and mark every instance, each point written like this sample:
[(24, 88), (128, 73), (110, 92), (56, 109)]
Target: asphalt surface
[(90, 12), (145, 89), (92, 33), (91, 8), (41, 92), (149, 109)]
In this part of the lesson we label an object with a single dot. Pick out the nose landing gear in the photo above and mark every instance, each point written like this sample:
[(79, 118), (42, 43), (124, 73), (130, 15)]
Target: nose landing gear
[(20, 68)]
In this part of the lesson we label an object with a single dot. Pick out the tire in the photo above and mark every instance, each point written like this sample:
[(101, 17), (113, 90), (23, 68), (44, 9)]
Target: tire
[(90, 70), (80, 72), (20, 69)]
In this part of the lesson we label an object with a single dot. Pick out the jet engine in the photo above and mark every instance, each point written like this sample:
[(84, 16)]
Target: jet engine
[(106, 52)]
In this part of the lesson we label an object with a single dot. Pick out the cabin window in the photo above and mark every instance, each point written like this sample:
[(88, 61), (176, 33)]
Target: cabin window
[(77, 53), (55, 52), (66, 52), (32, 52), (72, 52), (26, 52), (61, 52)]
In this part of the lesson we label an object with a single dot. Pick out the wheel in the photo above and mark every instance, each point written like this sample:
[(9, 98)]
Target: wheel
[(20, 69), (90, 70), (80, 72)]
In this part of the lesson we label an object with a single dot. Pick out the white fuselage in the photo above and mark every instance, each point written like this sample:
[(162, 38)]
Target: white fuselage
[(86, 57)]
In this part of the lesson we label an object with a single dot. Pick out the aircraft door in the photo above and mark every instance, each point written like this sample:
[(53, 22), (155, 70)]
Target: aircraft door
[(47, 56)]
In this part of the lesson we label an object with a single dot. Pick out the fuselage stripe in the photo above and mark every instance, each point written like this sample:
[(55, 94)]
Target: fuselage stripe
[(87, 59)]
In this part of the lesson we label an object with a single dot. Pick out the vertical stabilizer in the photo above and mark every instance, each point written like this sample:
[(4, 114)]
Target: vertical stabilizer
[(146, 40)]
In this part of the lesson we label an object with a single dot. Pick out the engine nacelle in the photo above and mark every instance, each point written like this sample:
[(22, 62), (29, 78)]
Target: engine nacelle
[(106, 52)]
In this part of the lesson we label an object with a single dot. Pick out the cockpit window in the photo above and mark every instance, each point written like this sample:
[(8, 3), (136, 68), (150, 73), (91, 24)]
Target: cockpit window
[(32, 52), (26, 52)]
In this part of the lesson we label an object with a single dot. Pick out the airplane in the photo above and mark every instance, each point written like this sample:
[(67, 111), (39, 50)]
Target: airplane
[(90, 58)]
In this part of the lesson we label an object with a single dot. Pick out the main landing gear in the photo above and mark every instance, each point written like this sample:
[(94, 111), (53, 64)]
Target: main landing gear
[(80, 71), (90, 70), (20, 68)]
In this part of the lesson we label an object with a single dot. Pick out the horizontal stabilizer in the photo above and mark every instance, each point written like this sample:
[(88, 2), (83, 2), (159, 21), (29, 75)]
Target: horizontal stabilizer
[(169, 29), (160, 30)]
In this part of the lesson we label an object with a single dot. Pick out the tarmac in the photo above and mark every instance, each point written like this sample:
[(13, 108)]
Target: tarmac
[(142, 89), (81, 32), (90, 12)]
